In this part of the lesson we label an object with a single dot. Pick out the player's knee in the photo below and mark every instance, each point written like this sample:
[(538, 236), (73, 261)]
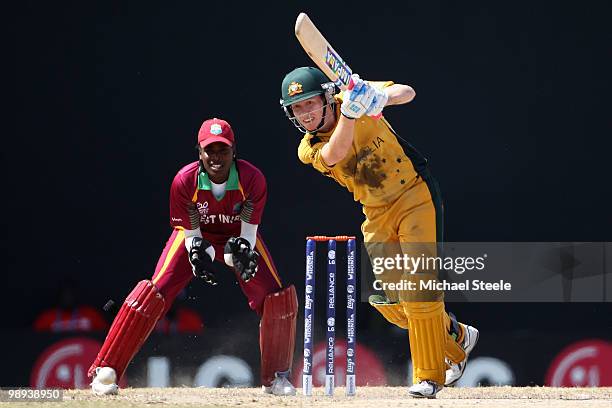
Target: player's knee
[(281, 304), (146, 296), (169, 289), (393, 312), (422, 310)]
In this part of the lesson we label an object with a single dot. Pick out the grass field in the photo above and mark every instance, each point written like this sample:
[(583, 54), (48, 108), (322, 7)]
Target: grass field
[(366, 397)]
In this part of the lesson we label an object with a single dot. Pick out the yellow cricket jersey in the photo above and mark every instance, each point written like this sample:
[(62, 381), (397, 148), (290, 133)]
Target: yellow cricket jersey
[(377, 169)]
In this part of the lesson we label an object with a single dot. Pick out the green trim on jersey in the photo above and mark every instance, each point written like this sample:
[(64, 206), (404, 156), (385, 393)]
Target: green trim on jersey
[(232, 181)]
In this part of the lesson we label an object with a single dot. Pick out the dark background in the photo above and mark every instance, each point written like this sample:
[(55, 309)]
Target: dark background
[(105, 100)]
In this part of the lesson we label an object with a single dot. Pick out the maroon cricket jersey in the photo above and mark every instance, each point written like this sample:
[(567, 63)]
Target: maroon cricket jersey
[(193, 205)]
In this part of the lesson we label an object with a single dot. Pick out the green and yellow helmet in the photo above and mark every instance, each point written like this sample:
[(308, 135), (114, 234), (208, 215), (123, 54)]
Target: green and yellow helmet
[(303, 83)]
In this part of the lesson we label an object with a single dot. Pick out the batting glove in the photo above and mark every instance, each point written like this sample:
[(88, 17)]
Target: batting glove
[(238, 253), (378, 102), (357, 99)]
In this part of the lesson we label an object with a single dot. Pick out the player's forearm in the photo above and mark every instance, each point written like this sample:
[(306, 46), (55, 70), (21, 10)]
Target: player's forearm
[(340, 142), (249, 232), (399, 94), (190, 235)]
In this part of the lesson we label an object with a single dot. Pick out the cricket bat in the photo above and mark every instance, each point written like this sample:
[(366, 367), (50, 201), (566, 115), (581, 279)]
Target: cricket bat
[(321, 52)]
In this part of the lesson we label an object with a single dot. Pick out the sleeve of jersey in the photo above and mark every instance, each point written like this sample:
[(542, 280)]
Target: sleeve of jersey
[(183, 212), (256, 193), (311, 154), (381, 84)]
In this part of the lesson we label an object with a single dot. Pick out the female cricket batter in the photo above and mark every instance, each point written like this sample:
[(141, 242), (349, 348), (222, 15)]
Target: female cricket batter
[(345, 139), (216, 205)]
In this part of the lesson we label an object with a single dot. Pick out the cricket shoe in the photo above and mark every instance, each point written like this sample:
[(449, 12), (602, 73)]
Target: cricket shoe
[(103, 382), (455, 371), (424, 389), (281, 386)]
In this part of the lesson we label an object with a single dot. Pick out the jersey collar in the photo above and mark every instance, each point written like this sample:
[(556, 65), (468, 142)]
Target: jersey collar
[(232, 181)]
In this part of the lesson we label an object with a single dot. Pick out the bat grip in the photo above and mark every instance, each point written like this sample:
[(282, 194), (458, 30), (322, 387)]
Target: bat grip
[(351, 84)]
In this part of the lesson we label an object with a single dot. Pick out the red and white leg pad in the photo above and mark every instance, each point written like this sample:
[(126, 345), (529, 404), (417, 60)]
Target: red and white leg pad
[(136, 319), (277, 333)]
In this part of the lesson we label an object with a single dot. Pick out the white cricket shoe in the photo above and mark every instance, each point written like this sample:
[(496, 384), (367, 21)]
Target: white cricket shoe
[(455, 371), (424, 389), (103, 382), (281, 386)]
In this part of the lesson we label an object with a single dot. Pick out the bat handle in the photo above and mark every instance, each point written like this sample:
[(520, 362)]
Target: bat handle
[(351, 84), (377, 116)]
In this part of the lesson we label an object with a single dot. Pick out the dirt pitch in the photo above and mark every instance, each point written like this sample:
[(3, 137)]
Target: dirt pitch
[(377, 397)]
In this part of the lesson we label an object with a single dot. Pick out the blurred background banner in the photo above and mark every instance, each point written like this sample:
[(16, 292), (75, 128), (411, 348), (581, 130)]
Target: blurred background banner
[(553, 358)]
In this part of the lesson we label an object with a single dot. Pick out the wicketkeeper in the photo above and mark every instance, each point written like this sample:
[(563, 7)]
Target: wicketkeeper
[(216, 205), (345, 139)]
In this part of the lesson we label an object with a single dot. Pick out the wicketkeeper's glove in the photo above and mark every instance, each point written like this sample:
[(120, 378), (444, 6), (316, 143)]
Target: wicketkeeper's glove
[(201, 261), (238, 253)]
